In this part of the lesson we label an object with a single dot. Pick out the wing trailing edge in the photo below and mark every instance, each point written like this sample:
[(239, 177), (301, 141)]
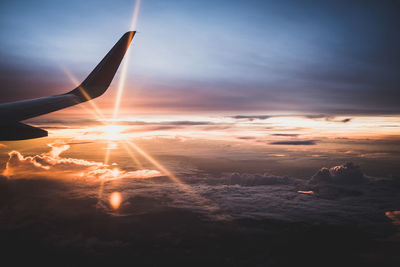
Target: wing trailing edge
[(14, 131)]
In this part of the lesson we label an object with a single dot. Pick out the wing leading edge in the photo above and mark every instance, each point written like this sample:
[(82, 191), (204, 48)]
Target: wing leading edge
[(93, 86)]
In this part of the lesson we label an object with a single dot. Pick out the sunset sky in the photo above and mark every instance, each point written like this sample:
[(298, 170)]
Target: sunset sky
[(259, 110)]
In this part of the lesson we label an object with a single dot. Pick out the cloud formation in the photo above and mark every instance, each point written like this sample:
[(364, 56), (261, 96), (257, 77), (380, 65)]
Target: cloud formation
[(295, 142), (251, 118), (158, 211), (245, 179), (52, 165), (348, 173), (285, 134)]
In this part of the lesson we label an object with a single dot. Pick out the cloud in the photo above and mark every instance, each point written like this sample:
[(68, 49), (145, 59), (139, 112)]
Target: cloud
[(246, 137), (158, 205), (348, 173), (285, 134), (52, 165), (257, 179), (3, 146), (394, 216), (332, 119), (166, 123), (251, 118), (295, 142)]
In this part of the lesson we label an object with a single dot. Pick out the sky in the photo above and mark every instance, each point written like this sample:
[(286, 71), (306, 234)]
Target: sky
[(333, 57), (246, 131)]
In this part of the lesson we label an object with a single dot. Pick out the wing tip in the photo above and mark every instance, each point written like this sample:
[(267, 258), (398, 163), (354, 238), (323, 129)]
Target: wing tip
[(129, 35), (100, 78)]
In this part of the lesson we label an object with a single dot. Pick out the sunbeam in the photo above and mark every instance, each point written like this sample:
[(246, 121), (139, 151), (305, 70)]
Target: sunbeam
[(205, 203), (75, 82), (135, 15), (132, 155), (125, 64)]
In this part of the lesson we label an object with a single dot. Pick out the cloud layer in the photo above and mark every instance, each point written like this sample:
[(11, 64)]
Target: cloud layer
[(52, 165), (158, 215)]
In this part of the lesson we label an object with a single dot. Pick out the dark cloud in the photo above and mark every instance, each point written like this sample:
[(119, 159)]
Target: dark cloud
[(147, 231), (178, 123), (160, 222), (257, 179), (335, 120), (348, 173), (285, 134), (251, 118), (143, 126), (246, 137), (295, 142)]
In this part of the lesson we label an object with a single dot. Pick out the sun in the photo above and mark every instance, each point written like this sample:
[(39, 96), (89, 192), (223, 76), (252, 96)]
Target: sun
[(113, 132)]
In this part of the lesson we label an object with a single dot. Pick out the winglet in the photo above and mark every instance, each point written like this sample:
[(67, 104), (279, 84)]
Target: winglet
[(100, 78)]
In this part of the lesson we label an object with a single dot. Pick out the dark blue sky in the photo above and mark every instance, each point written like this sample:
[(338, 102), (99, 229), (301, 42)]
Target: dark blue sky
[(291, 56)]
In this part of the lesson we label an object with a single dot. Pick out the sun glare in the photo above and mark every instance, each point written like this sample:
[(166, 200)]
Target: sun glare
[(112, 132), (115, 200)]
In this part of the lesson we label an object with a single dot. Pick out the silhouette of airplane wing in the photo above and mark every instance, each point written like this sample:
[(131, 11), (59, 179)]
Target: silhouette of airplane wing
[(93, 86)]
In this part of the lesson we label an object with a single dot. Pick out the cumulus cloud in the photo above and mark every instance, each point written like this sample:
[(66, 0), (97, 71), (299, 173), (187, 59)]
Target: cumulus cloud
[(52, 165), (348, 173)]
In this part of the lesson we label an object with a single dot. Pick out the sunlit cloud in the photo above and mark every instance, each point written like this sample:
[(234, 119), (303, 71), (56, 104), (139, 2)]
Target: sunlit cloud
[(52, 165), (394, 216)]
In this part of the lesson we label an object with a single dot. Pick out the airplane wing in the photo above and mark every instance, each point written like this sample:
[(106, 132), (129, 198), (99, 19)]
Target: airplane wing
[(93, 86)]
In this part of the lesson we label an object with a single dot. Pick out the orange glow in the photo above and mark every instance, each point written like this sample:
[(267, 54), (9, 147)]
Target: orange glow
[(112, 132), (306, 192), (394, 216), (115, 200)]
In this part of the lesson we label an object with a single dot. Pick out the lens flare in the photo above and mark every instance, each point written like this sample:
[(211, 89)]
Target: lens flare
[(207, 204), (135, 14), (122, 79), (112, 132), (132, 155), (115, 200)]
